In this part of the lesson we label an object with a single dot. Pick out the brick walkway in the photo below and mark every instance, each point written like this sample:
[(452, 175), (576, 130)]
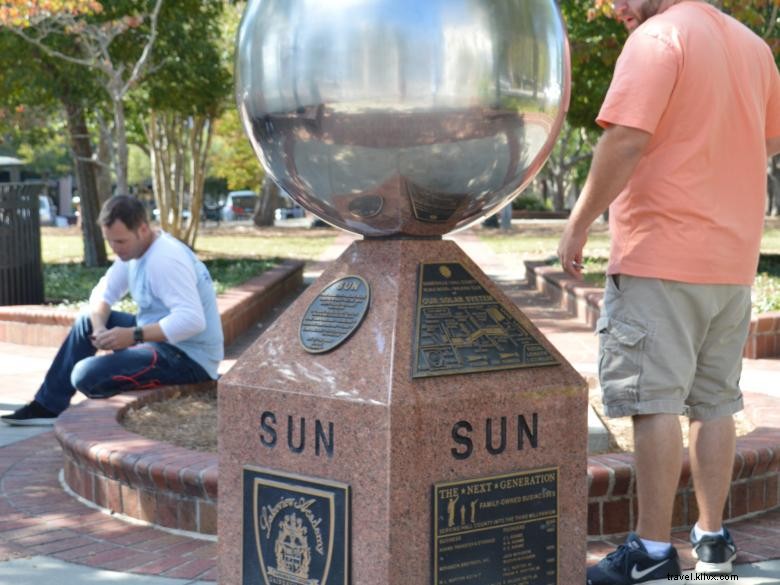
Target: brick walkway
[(37, 518)]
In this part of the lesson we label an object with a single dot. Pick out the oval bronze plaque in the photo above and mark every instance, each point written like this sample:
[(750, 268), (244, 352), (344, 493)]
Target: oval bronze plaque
[(334, 314), (366, 206)]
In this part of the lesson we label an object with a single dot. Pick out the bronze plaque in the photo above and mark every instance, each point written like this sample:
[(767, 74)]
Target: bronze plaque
[(432, 207), (366, 205), (462, 328), (296, 530), (334, 314), (501, 530)]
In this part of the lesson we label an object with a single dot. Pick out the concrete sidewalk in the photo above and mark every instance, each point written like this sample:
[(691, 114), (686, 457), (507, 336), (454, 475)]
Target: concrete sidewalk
[(47, 537)]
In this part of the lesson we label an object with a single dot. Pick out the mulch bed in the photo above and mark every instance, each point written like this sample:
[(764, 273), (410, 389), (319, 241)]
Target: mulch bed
[(186, 421)]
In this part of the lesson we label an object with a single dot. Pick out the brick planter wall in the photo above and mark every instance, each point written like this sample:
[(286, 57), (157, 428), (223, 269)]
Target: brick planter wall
[(123, 472), (240, 307), (177, 488), (763, 337), (584, 302), (754, 489), (35, 324)]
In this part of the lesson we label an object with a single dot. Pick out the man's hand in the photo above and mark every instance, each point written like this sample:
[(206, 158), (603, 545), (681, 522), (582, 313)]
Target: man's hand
[(570, 249), (113, 339)]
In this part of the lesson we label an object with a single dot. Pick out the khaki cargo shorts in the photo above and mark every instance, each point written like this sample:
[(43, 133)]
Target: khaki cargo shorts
[(672, 347)]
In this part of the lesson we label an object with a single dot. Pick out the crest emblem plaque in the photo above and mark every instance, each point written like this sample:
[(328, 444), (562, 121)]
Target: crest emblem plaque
[(296, 530)]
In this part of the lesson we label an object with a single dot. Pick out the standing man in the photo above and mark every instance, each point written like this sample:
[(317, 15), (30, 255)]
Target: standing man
[(176, 337), (690, 118)]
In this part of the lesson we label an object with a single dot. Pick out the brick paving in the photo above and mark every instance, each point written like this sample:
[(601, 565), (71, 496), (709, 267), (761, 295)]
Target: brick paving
[(38, 518)]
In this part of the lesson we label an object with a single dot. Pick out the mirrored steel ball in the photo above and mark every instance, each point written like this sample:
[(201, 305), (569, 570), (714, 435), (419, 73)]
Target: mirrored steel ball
[(402, 117)]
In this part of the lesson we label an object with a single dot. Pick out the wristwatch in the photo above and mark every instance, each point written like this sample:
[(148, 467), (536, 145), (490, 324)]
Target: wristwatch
[(138, 335)]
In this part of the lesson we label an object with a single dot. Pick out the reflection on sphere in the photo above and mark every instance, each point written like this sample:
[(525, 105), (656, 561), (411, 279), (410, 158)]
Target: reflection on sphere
[(401, 117)]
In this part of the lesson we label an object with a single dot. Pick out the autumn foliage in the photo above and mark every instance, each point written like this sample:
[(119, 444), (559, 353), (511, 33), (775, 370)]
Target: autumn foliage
[(24, 13)]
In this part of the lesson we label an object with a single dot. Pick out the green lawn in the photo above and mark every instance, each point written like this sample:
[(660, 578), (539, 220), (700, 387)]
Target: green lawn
[(293, 246), (66, 246)]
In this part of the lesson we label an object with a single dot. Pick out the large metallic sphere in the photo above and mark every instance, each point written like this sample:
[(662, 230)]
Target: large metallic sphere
[(402, 117)]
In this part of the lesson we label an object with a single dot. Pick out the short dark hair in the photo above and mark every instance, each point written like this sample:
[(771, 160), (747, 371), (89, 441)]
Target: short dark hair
[(129, 210)]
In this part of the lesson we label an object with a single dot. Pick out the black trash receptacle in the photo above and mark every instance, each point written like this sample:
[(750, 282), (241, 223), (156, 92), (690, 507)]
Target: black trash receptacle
[(21, 270)]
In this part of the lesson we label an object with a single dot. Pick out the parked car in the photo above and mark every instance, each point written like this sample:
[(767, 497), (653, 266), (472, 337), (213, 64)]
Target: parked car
[(239, 205), (185, 214), (46, 210), (291, 212), (211, 211)]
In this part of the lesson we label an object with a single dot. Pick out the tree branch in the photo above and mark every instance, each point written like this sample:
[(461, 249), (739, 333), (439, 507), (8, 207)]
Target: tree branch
[(147, 52), (52, 52)]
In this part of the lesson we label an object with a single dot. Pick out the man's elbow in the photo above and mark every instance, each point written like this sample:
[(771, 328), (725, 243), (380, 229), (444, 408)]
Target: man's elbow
[(773, 146), (632, 141), (198, 325)]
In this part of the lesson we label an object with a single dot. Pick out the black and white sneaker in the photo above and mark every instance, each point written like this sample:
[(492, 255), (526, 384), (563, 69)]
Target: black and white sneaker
[(34, 414), (631, 563), (715, 553)]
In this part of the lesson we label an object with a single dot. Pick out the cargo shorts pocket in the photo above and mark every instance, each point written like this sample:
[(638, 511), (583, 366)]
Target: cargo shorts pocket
[(621, 347)]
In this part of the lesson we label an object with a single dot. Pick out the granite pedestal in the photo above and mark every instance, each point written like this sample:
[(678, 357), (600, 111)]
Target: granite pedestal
[(474, 478)]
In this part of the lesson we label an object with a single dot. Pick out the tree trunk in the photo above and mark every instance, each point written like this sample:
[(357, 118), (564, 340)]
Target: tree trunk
[(559, 195), (94, 246), (200, 134), (270, 199), (179, 147), (104, 155), (120, 129)]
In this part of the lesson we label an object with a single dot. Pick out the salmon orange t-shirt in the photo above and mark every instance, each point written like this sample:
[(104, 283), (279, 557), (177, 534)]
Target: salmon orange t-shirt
[(708, 90)]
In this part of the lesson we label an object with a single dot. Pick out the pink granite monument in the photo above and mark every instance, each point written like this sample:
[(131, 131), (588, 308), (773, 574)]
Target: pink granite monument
[(402, 423)]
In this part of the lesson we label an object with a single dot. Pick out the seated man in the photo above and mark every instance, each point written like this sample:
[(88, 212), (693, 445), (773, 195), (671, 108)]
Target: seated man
[(176, 337)]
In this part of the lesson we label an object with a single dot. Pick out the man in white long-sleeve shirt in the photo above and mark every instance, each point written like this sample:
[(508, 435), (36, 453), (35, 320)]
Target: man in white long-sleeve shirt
[(176, 337)]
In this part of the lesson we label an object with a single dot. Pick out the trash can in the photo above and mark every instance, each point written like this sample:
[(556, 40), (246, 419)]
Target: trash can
[(21, 269)]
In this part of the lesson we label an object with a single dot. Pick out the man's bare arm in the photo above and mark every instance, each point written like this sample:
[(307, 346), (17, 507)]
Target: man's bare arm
[(614, 160), (98, 315), (122, 337)]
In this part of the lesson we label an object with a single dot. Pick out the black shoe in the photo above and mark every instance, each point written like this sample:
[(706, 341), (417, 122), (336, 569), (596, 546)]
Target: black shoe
[(631, 563), (34, 414), (715, 553)]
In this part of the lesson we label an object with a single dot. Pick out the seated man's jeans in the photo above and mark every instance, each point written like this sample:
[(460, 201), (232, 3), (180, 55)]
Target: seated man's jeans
[(146, 365)]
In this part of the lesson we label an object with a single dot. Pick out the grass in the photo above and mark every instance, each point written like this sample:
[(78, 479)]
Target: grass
[(60, 245), (301, 247)]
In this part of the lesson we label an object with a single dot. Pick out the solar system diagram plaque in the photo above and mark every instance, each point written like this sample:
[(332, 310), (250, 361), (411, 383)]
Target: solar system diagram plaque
[(296, 530), (500, 530), (461, 328)]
